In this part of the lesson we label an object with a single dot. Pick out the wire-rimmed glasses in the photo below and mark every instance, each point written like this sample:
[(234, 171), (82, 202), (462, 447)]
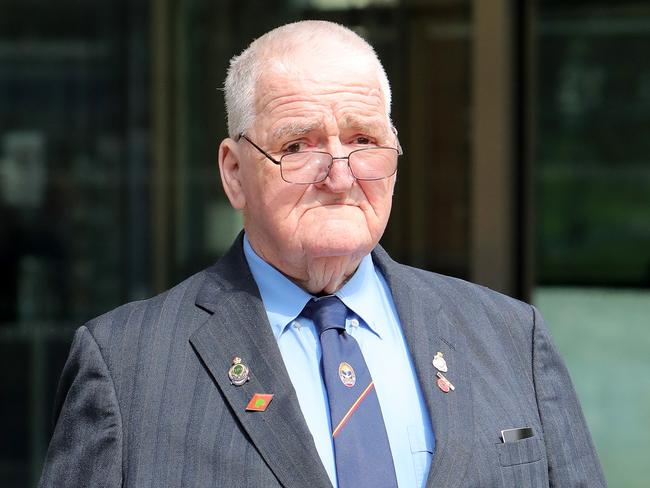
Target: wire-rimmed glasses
[(307, 167)]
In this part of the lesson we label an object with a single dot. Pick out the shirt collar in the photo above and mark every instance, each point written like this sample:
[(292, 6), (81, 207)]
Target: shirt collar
[(284, 300), (364, 296)]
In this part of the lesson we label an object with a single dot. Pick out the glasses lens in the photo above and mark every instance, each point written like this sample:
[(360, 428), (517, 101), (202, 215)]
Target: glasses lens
[(373, 163), (305, 167)]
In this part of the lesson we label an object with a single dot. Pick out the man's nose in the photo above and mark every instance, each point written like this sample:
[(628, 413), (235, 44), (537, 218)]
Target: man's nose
[(339, 178)]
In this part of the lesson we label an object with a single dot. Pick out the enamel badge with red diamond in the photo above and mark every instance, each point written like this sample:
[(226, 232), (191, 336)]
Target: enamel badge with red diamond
[(259, 402), (443, 383)]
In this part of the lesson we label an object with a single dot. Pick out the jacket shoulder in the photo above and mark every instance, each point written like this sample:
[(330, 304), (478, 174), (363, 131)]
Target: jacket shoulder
[(154, 315), (455, 290), (470, 306)]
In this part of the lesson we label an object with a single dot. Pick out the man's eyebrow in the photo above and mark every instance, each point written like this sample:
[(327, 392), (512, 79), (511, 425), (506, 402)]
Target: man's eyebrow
[(297, 128), (300, 128), (367, 126)]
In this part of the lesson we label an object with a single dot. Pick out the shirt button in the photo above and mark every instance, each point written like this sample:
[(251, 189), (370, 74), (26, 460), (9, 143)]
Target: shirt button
[(354, 323), (296, 324)]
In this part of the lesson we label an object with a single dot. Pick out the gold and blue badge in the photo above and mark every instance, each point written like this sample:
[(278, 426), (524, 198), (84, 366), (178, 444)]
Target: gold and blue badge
[(347, 375)]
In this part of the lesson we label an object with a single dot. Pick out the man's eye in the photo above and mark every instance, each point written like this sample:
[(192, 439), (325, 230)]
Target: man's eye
[(362, 140), (293, 147)]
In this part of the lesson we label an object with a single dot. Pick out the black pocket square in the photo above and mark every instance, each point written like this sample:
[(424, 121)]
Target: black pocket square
[(512, 435)]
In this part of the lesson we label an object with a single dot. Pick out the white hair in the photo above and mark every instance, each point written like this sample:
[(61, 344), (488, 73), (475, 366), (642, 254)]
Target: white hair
[(246, 69)]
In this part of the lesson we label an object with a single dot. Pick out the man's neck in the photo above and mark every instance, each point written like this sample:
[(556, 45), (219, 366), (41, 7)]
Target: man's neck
[(325, 276), (318, 276)]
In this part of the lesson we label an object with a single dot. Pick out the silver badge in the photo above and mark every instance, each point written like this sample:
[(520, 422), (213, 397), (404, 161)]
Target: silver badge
[(439, 362), (238, 372)]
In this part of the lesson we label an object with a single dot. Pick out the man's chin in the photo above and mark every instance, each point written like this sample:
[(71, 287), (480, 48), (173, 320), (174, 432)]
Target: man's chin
[(338, 245)]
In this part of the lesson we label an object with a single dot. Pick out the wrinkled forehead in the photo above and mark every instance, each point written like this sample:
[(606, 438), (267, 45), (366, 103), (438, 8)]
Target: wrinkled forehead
[(293, 106), (336, 78), (319, 63)]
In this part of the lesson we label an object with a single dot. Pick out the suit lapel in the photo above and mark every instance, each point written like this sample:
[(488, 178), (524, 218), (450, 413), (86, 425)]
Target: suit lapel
[(238, 326), (428, 330)]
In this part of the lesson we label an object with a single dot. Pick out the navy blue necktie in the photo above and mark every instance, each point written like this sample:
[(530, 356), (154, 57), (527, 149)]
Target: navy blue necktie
[(361, 449)]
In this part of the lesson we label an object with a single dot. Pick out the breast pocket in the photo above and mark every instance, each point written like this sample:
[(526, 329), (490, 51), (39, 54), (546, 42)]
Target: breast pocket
[(520, 452), (422, 445)]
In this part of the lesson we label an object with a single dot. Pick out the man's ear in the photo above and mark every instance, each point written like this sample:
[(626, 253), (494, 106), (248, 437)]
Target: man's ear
[(231, 174)]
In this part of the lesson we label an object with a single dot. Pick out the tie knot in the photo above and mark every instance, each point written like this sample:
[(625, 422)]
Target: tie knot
[(327, 313)]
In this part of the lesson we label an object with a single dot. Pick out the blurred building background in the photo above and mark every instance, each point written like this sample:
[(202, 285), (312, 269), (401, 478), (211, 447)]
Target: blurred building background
[(525, 126)]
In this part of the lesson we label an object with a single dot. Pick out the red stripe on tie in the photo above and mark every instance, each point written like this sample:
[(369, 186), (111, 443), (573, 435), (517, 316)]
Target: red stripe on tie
[(354, 406)]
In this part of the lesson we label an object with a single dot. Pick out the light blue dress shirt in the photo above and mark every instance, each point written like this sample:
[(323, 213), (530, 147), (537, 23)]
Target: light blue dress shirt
[(375, 326)]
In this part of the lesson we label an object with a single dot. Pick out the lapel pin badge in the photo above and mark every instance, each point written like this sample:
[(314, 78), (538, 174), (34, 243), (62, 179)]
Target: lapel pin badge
[(238, 372), (347, 375), (443, 383), (259, 402), (439, 362)]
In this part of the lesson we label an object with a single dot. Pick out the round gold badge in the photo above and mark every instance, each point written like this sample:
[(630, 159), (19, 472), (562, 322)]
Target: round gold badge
[(346, 373)]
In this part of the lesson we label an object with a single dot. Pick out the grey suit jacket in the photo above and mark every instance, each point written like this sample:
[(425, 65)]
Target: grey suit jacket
[(145, 400)]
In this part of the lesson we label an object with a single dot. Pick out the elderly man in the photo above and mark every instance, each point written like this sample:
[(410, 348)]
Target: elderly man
[(306, 357)]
